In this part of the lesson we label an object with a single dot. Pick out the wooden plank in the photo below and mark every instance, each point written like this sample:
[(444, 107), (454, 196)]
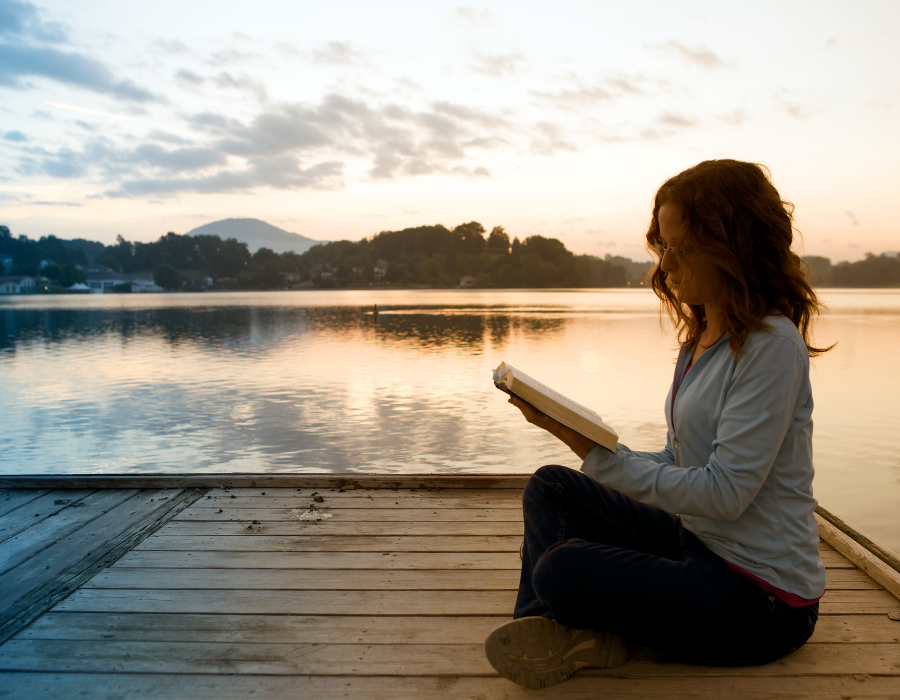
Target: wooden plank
[(392, 514), (351, 579), (835, 560), (306, 580), (253, 629), (18, 497), (862, 557), (438, 603), (50, 530), (40, 582), (858, 629), (364, 503), (150, 686), (885, 555), (333, 526), (44, 506), (182, 481), (256, 602), (321, 560), (345, 629), (162, 541), (388, 659), (849, 579), (355, 560), (439, 494)]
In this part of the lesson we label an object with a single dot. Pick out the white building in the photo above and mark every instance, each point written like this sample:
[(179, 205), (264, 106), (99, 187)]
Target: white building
[(17, 284), (106, 281)]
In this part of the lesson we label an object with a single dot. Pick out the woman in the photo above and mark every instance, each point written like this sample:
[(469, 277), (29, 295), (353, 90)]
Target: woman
[(707, 550)]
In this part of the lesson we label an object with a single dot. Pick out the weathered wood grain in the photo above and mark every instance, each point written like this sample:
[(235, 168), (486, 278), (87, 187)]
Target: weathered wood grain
[(366, 500), (49, 531), (32, 513), (885, 555), (163, 541), (349, 629), (253, 629), (46, 578), (304, 580), (439, 603), (151, 686), (387, 659), (262, 602), (862, 557), (14, 498), (333, 526), (321, 560), (269, 516), (391, 584)]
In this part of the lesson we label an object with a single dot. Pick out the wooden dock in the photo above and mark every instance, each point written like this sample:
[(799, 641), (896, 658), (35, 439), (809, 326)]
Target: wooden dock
[(222, 587)]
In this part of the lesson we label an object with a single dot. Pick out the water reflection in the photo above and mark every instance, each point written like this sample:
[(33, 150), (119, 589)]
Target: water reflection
[(252, 329)]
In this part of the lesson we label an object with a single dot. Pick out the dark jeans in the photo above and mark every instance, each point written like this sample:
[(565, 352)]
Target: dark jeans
[(595, 558)]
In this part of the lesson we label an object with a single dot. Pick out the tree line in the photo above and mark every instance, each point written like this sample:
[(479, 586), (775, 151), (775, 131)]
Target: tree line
[(427, 256), (433, 256)]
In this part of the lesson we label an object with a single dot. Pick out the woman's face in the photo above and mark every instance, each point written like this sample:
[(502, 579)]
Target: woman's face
[(692, 279)]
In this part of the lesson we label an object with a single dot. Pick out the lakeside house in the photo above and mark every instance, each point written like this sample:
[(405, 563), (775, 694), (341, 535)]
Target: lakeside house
[(17, 284), (103, 281)]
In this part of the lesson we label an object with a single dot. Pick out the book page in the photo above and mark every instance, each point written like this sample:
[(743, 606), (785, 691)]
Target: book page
[(583, 411)]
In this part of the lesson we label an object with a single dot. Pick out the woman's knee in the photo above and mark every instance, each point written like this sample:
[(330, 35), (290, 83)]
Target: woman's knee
[(556, 574), (544, 480)]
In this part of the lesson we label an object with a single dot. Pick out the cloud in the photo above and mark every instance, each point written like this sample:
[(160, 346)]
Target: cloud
[(580, 96), (289, 146), (735, 118), (548, 139), (576, 96), (56, 204), (186, 76), (496, 64), (339, 53), (796, 110), (830, 44), (21, 20), (230, 56), (243, 82), (474, 17), (15, 136), (852, 217), (280, 173), (698, 55), (676, 120), (171, 46), (406, 85), (66, 67)]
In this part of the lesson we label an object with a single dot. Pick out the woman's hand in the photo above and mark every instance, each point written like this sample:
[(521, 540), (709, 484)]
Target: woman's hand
[(574, 440)]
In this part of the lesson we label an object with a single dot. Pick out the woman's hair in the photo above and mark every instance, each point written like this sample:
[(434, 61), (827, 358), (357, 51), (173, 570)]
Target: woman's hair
[(740, 227)]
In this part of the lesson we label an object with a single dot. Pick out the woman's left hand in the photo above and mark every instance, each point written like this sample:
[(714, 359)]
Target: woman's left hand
[(574, 440)]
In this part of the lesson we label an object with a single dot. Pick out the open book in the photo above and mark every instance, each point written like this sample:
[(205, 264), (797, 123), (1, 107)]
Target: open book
[(555, 405)]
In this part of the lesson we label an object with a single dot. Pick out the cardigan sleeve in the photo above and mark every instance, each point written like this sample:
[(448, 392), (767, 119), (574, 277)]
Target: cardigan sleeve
[(731, 464)]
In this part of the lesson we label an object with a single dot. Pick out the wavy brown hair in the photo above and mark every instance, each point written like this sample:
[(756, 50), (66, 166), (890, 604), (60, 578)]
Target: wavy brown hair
[(739, 225)]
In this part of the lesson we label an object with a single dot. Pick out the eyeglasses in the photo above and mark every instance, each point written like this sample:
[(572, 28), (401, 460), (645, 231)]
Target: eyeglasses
[(677, 253)]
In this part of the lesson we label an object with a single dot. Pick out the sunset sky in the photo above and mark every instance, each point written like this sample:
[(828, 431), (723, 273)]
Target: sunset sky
[(338, 120)]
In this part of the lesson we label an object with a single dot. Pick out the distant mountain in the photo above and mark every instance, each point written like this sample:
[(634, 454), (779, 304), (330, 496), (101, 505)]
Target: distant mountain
[(256, 234)]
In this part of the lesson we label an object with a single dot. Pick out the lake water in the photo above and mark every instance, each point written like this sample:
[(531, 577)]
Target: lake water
[(313, 382)]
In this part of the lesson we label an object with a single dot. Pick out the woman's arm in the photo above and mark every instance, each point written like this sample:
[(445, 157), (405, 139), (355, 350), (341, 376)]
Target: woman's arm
[(765, 396)]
